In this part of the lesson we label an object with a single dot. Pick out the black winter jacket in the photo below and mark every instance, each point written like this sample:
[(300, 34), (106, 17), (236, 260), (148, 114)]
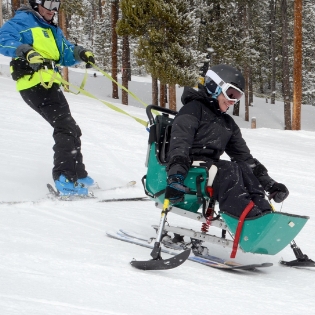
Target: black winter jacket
[(201, 132)]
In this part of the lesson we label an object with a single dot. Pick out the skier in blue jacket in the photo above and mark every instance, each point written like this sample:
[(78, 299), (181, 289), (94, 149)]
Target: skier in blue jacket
[(35, 42)]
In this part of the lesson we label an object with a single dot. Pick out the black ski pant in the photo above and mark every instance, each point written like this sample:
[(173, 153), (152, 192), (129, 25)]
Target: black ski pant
[(235, 186), (52, 105)]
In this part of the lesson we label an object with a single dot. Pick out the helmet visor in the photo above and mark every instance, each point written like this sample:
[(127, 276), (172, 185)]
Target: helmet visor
[(231, 92), (51, 5)]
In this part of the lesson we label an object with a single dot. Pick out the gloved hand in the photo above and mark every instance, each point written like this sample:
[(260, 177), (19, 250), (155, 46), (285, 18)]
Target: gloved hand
[(278, 192), (34, 58), (175, 188), (88, 57)]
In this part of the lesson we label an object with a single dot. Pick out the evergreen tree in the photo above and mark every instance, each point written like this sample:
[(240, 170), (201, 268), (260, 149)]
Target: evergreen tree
[(101, 46), (309, 53), (167, 39), (75, 30)]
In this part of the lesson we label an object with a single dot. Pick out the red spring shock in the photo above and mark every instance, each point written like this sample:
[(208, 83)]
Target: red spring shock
[(209, 214)]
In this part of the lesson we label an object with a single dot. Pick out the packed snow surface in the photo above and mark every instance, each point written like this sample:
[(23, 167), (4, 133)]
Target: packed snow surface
[(55, 256)]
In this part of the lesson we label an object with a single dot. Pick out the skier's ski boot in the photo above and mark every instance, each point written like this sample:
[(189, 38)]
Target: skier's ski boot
[(86, 181), (66, 188)]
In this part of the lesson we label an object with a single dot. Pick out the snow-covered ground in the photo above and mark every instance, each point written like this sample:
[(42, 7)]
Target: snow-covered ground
[(55, 257)]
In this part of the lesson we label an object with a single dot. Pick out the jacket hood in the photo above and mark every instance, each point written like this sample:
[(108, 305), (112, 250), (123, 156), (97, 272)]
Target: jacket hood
[(201, 95), (26, 8)]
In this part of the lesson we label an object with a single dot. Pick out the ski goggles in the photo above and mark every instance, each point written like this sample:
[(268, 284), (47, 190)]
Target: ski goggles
[(230, 92), (51, 5)]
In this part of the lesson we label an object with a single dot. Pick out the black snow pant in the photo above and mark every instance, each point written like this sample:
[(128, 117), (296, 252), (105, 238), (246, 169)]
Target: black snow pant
[(52, 105), (235, 186)]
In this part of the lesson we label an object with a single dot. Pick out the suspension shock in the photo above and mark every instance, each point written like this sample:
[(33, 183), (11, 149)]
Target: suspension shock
[(209, 213), (209, 216)]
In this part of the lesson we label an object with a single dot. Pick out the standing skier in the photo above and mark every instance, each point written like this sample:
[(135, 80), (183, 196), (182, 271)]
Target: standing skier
[(203, 131), (35, 42)]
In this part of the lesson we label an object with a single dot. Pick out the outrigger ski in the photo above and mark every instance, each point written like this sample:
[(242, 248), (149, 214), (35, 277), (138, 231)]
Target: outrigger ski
[(210, 261), (301, 260)]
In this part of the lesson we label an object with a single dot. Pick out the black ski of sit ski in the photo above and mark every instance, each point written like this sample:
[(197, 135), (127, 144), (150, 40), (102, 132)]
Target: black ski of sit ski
[(211, 261)]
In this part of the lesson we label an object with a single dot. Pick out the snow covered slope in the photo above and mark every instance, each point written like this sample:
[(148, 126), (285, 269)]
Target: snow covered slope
[(55, 258)]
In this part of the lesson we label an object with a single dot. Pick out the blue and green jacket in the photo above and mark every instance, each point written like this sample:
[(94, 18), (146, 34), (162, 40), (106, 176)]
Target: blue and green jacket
[(28, 27)]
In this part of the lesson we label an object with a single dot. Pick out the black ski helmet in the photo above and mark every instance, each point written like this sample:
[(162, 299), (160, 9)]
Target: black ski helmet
[(34, 3), (227, 74)]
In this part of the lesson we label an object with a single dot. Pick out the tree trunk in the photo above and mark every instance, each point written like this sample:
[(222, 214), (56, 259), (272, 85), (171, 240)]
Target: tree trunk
[(236, 109), (155, 92), (100, 13), (114, 18), (165, 95), (63, 25), (125, 70), (1, 16), (261, 83), (273, 51), (250, 87), (162, 95), (297, 67), (172, 96), (249, 31), (246, 93), (15, 5), (285, 67)]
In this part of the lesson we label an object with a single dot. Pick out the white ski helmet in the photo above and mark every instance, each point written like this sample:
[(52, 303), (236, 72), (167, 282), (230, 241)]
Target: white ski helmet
[(51, 5), (225, 79)]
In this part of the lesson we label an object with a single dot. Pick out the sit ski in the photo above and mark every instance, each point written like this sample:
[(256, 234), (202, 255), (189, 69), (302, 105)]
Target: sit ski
[(266, 234)]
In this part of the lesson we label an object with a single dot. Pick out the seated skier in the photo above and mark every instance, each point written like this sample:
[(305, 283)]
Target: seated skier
[(203, 131)]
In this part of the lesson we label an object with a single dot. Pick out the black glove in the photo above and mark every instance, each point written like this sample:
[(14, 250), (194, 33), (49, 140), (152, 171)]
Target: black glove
[(34, 58), (88, 57), (175, 188), (278, 192)]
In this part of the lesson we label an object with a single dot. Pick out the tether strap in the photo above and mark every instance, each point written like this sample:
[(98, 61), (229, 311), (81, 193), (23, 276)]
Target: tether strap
[(239, 228), (105, 74), (84, 92)]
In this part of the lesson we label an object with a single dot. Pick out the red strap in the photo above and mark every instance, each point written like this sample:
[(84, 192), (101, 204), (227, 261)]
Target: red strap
[(209, 190), (238, 232)]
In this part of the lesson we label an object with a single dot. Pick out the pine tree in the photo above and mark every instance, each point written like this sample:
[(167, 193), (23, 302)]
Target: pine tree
[(167, 39), (75, 30), (101, 42), (309, 53)]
